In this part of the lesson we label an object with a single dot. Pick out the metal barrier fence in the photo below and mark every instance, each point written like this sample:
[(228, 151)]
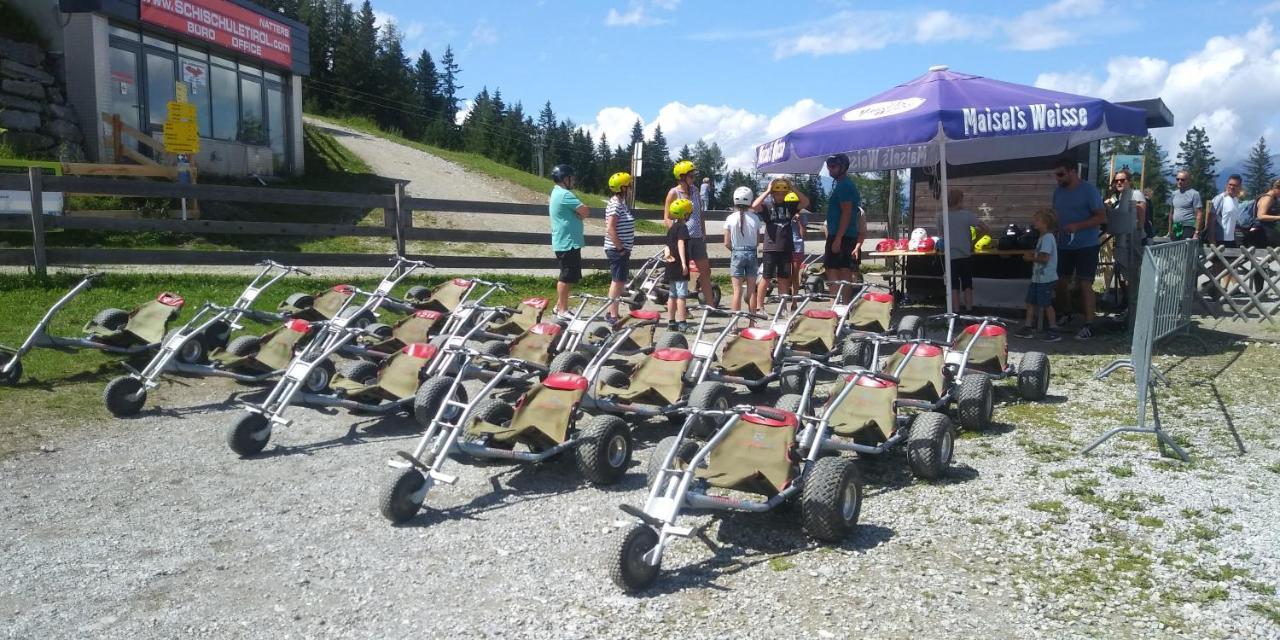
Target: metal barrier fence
[(1165, 294)]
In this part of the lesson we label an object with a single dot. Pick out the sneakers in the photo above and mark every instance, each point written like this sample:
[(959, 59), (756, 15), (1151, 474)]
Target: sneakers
[(1084, 333), (1063, 320), (611, 320), (672, 325), (1025, 332), (682, 327), (1051, 336)]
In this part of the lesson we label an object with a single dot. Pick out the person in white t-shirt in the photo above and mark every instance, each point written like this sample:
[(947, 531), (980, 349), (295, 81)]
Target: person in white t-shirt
[(742, 230), (1221, 228)]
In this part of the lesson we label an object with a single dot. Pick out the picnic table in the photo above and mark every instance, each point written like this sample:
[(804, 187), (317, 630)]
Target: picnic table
[(898, 276)]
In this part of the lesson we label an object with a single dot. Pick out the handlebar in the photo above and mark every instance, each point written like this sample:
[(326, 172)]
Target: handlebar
[(273, 263), (721, 413), (957, 316), (495, 285), (618, 299), (502, 360), (729, 314), (417, 263)]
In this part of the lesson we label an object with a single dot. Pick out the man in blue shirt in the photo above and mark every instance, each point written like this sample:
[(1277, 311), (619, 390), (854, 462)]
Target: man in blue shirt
[(1080, 214), (567, 213), (845, 225)]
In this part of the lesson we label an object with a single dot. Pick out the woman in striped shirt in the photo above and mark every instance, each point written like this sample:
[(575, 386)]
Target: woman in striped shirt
[(619, 237)]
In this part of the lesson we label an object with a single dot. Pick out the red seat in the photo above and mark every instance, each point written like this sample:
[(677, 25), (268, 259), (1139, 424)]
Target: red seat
[(170, 299), (344, 288), (461, 282), (820, 314), (991, 331), (870, 381), (771, 417), (298, 326), (545, 329), (421, 350), (427, 314), (922, 351), (536, 303), (672, 354), (878, 297), (645, 314), (565, 381), (758, 333)]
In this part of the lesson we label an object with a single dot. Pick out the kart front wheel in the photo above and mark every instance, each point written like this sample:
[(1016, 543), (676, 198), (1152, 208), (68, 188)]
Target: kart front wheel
[(831, 499), (930, 444), (15, 374), (249, 434), (400, 499), (124, 396), (629, 570)]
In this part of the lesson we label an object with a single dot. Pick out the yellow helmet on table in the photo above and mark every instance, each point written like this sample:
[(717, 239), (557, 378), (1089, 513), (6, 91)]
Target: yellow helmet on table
[(985, 243), (619, 181)]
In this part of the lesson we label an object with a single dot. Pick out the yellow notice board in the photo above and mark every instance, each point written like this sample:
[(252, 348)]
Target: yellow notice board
[(180, 133)]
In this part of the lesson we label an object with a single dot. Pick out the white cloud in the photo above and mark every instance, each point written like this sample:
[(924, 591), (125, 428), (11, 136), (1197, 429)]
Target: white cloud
[(1050, 26), (736, 130), (464, 110), (382, 18), (640, 13), (483, 34), (1230, 87), (414, 30)]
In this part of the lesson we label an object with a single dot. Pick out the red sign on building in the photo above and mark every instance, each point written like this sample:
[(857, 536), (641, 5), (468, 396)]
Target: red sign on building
[(224, 24)]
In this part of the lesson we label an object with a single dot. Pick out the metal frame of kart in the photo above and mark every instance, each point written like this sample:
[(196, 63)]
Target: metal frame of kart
[(648, 282), (463, 318), (132, 389), (250, 433), (39, 338)]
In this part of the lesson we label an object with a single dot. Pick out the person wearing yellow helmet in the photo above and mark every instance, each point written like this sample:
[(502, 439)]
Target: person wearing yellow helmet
[(677, 263), (619, 237), (685, 174), (779, 207)]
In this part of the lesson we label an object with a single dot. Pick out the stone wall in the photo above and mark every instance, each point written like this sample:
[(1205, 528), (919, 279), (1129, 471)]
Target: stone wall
[(35, 119)]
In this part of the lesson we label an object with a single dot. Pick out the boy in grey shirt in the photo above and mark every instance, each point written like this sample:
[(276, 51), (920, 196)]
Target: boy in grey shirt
[(1044, 277)]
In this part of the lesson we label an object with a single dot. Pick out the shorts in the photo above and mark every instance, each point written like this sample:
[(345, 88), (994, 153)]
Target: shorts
[(962, 273), (842, 260), (777, 263), (570, 265), (1040, 294), (743, 263), (697, 248), (1082, 264), (679, 289), (619, 265)]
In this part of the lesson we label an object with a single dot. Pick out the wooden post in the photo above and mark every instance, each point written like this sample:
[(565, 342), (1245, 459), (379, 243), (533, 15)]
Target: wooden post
[(117, 145), (37, 220), (401, 213)]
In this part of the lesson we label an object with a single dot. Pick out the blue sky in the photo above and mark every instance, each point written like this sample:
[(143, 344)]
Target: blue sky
[(740, 73)]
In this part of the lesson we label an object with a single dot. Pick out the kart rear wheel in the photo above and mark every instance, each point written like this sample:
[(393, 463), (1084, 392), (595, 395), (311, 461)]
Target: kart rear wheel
[(816, 284), (243, 346), (249, 434), (299, 301), (417, 293), (688, 449), (831, 499), (397, 502), (497, 349), (494, 411), (791, 380), (672, 340), (379, 330), (431, 395), (708, 395), (659, 296), (112, 319), (317, 381), (629, 570), (1033, 376), (715, 296), (790, 403), (192, 351), (605, 452), (360, 371), (124, 396), (930, 445), (361, 320), (975, 398), (614, 378), (910, 328), (15, 374), (856, 353), (569, 362)]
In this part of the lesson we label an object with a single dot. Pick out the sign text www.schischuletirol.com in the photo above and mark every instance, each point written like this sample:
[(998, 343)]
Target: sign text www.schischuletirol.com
[(1033, 117)]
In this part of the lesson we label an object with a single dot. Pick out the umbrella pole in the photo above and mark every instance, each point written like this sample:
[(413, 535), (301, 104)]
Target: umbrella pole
[(946, 224)]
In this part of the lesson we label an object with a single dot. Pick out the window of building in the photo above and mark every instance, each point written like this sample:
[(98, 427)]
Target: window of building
[(225, 93), (122, 32), (275, 126), (196, 74), (164, 45), (253, 128), (123, 86), (160, 88)]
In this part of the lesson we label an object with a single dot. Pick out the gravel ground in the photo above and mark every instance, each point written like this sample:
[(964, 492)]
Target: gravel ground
[(151, 528)]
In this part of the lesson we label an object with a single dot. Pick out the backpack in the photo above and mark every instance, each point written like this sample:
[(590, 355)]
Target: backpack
[(1246, 214)]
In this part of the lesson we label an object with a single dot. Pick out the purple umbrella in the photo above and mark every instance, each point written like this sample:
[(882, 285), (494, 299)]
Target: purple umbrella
[(945, 118)]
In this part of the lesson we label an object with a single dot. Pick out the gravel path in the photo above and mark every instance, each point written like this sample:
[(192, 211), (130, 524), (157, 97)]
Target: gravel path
[(151, 528)]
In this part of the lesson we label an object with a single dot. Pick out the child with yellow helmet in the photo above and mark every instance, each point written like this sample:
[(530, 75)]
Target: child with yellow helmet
[(619, 238), (677, 259), (686, 173)]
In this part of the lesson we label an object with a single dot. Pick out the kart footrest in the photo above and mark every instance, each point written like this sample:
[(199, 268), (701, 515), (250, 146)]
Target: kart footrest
[(442, 477), (639, 513), (413, 462)]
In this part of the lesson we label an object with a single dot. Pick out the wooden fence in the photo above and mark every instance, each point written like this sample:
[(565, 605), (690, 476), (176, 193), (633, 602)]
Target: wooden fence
[(397, 226)]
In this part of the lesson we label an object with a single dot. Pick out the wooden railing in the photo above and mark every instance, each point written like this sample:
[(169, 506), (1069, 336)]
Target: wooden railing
[(397, 225)]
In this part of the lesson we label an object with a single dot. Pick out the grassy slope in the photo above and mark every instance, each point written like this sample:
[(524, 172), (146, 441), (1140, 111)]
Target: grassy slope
[(472, 161), (66, 388)]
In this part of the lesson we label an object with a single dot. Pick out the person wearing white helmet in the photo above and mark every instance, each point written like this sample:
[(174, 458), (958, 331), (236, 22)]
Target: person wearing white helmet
[(741, 236)]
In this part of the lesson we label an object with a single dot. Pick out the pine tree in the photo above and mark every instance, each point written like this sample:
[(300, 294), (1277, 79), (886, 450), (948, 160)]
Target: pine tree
[(657, 166), (354, 60), (1195, 156), (426, 86), (1156, 179), (604, 158), (738, 178), (315, 14), (637, 133), (395, 86), (449, 89), (1259, 171)]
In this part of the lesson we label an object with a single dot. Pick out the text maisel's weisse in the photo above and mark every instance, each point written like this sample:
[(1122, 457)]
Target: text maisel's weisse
[(1034, 117)]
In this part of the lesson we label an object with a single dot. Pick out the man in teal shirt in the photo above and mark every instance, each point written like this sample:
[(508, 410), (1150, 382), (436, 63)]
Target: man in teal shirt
[(567, 213), (845, 225)]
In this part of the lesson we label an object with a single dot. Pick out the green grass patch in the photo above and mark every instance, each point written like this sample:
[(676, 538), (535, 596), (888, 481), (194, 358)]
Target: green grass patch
[(1269, 609), (1215, 593), (1123, 506), (1149, 521), (1054, 507), (780, 564), (1067, 473), (1274, 467), (1259, 587), (1220, 573), (1120, 471)]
